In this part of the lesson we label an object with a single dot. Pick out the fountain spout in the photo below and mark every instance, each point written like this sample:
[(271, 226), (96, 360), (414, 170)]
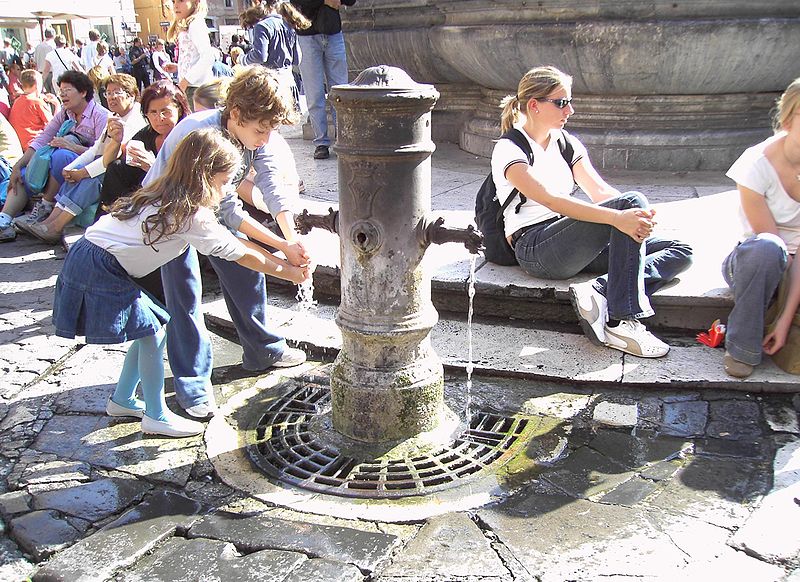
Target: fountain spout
[(305, 221), (437, 233)]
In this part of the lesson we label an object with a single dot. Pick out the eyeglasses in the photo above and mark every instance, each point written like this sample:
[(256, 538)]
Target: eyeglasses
[(120, 93), (560, 103)]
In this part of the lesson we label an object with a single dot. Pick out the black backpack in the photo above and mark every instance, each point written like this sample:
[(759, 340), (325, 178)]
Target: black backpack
[(489, 212)]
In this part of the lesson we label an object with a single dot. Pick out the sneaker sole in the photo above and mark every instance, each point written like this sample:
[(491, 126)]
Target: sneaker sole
[(629, 350), (583, 320)]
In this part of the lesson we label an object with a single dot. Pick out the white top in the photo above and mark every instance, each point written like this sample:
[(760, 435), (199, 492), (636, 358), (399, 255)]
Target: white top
[(195, 57), (550, 168), (42, 50), (89, 54), (124, 239), (92, 159), (105, 62), (159, 59), (754, 171), (56, 65)]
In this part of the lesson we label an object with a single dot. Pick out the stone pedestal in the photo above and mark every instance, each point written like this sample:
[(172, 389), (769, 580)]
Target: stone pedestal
[(658, 85)]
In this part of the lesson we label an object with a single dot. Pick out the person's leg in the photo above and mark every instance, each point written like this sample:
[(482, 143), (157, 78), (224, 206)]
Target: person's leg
[(60, 159), (753, 271), (188, 344), (72, 199), (245, 295), (335, 62), (125, 393), (312, 71)]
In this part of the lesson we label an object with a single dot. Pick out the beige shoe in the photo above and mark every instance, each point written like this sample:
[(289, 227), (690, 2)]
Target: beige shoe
[(735, 368)]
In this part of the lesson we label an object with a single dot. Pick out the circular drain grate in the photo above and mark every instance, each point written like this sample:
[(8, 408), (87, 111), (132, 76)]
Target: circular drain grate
[(286, 449)]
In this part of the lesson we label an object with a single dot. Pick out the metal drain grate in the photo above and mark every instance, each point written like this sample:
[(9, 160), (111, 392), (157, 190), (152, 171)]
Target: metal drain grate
[(286, 450)]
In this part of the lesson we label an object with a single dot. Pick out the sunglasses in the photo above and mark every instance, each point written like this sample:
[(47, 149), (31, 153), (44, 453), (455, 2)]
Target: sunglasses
[(560, 103)]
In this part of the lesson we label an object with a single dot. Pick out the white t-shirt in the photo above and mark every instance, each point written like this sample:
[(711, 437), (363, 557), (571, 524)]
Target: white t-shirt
[(550, 169), (57, 66), (754, 171), (124, 239)]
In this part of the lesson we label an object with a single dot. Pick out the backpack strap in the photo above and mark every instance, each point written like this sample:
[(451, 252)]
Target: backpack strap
[(519, 140)]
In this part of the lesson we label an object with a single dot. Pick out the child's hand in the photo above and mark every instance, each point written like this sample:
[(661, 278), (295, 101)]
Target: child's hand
[(297, 254), (776, 339), (299, 275)]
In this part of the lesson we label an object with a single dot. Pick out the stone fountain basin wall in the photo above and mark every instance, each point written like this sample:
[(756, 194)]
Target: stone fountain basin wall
[(657, 85)]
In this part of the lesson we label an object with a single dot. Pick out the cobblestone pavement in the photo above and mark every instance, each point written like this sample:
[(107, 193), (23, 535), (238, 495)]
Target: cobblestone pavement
[(628, 485)]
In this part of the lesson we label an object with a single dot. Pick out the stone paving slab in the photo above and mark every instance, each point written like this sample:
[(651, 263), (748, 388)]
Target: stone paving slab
[(122, 542), (364, 549)]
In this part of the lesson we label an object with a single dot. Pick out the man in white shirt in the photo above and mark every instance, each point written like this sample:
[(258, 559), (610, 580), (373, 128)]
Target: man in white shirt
[(60, 60), (89, 53), (44, 48)]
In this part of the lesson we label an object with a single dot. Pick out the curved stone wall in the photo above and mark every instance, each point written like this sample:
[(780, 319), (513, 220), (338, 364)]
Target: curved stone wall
[(674, 85)]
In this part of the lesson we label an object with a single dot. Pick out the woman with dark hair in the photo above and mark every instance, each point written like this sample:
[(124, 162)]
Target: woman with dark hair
[(163, 106), (89, 118)]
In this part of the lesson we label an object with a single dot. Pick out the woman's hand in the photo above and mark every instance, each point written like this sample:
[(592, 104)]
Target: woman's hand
[(170, 67), (776, 339), (74, 175), (637, 223), (115, 129), (140, 158), (62, 142), (15, 177), (297, 254)]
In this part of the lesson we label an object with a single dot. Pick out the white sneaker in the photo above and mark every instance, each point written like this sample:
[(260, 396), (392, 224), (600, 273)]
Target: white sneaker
[(592, 310), (290, 357), (41, 210), (632, 337), (114, 409), (175, 426), (205, 409)]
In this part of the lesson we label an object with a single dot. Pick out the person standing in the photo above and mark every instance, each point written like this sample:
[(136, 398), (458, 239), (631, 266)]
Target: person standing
[(138, 58), (160, 58), (60, 60), (195, 55), (324, 63), (89, 54)]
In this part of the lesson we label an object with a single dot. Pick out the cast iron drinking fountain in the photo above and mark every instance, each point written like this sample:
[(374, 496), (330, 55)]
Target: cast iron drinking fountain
[(382, 428)]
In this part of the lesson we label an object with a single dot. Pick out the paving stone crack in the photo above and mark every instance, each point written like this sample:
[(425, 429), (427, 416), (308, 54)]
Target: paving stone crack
[(515, 568)]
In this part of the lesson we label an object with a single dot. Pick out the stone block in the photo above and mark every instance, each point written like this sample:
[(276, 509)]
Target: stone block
[(253, 533), (54, 472), (629, 493), (14, 503), (685, 418), (734, 419), (95, 500), (120, 543), (781, 417), (327, 570), (586, 473), (42, 533), (616, 414), (448, 547)]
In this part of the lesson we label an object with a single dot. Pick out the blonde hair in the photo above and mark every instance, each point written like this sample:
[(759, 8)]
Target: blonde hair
[(537, 83), (30, 77), (200, 11), (185, 186), (258, 95), (788, 105), (210, 95), (236, 53), (255, 14)]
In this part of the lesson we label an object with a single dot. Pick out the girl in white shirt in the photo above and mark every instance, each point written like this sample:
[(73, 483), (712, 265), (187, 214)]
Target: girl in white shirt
[(557, 236), (97, 298), (195, 57), (767, 176)]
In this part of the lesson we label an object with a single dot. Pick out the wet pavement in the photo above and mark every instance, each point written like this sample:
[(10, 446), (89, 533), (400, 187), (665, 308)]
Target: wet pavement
[(669, 477)]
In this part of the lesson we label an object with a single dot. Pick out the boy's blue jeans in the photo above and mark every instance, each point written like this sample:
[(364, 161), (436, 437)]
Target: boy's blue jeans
[(566, 247), (188, 342), (753, 271)]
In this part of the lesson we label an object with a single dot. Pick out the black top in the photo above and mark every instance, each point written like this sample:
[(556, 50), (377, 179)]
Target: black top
[(324, 19)]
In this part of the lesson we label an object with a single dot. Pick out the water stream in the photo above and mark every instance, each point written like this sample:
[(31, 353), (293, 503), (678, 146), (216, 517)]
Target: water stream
[(471, 295), (305, 296)]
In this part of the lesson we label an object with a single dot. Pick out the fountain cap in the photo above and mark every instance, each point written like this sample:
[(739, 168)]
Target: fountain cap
[(388, 80)]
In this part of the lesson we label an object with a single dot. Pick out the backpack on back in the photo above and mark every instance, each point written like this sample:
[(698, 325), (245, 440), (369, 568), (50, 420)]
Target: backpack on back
[(489, 211)]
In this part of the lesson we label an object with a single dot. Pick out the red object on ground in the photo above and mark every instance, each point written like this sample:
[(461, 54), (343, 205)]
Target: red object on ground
[(714, 336)]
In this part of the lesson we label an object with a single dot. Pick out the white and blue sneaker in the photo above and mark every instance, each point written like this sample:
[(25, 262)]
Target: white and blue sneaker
[(592, 310)]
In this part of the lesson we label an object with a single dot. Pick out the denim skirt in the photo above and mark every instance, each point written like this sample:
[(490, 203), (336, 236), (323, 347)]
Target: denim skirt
[(96, 298)]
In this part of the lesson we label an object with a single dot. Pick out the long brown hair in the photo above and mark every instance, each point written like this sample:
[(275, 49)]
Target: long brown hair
[(200, 11), (255, 14), (184, 187)]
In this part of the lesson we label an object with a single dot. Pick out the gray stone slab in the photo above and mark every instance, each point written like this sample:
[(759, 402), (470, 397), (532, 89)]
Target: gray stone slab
[(93, 501), (748, 449), (732, 565), (615, 414), (734, 419), (364, 549), (181, 560), (719, 491), (120, 543), (14, 503), (42, 533), (54, 472), (781, 417), (324, 570), (660, 471), (630, 492), (559, 538), (119, 444), (765, 534), (634, 451), (448, 547), (13, 565), (586, 473), (685, 418)]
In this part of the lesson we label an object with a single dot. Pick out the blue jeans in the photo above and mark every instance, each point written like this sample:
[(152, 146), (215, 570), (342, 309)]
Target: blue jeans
[(188, 343), (566, 247), (753, 271), (58, 161), (324, 64), (75, 197)]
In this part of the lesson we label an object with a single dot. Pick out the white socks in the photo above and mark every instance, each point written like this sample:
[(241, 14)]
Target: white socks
[(5, 219)]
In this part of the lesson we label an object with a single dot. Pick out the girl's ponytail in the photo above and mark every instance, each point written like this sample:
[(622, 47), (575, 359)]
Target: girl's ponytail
[(293, 16), (510, 114)]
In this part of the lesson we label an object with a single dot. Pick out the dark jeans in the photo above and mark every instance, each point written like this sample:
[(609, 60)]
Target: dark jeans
[(566, 247)]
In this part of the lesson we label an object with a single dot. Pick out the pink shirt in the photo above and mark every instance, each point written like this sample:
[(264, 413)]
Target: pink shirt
[(92, 124)]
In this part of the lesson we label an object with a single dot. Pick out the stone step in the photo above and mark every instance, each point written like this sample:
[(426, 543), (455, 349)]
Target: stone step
[(698, 298), (519, 350)]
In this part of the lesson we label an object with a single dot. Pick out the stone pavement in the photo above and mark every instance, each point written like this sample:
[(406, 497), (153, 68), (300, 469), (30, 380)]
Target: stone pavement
[(667, 477)]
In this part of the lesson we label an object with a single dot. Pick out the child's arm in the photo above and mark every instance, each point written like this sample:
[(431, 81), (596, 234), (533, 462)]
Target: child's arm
[(776, 339), (261, 260), (294, 250)]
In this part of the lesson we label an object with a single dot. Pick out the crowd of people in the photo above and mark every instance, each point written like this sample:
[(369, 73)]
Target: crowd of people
[(169, 161)]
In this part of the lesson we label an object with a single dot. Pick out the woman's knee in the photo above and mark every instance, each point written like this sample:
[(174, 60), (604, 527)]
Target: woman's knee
[(635, 199), (763, 252)]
